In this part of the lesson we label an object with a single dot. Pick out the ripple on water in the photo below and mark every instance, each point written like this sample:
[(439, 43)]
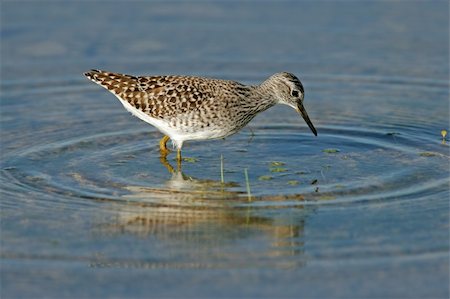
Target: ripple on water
[(345, 164), (286, 168)]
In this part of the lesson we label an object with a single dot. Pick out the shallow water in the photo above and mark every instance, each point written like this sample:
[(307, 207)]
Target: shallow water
[(88, 209)]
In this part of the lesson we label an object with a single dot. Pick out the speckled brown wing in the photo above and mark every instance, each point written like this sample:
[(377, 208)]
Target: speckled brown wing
[(124, 86), (171, 96), (158, 96), (118, 84)]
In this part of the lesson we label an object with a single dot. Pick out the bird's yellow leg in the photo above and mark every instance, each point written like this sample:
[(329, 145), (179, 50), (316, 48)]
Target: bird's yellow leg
[(163, 146), (166, 163)]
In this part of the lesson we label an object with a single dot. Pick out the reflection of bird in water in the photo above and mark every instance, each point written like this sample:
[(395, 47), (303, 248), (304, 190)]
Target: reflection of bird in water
[(193, 108), (204, 217)]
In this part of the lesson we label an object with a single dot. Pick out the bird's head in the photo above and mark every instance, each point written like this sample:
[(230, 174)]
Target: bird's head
[(288, 90)]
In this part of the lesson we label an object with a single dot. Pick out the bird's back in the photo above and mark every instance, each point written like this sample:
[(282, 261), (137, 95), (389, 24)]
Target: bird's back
[(162, 96)]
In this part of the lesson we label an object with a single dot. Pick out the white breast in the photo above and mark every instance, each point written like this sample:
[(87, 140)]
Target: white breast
[(177, 136)]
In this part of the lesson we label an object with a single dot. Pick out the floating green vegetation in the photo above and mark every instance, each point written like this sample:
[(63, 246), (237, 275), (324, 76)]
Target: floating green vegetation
[(331, 150), (265, 178), (427, 154), (278, 169), (293, 183), (276, 166), (190, 160), (443, 134), (276, 163)]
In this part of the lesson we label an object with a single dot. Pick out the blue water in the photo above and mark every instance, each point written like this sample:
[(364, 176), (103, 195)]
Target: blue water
[(88, 209)]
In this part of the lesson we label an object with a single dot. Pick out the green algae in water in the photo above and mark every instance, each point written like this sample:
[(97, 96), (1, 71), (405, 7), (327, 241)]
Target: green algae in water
[(276, 163), (293, 183), (331, 150), (275, 166), (427, 154), (278, 169), (265, 178), (190, 160)]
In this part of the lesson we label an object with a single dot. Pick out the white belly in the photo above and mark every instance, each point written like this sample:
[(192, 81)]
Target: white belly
[(177, 136)]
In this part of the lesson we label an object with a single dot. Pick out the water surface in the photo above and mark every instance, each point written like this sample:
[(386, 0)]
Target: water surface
[(89, 210)]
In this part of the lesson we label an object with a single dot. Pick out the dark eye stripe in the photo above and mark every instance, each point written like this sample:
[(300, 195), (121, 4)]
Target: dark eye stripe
[(298, 84)]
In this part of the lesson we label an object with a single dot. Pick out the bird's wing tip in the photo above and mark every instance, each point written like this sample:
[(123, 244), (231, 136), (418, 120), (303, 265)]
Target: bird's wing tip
[(91, 72)]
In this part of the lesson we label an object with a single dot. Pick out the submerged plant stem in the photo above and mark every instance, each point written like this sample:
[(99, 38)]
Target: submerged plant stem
[(221, 169), (249, 195)]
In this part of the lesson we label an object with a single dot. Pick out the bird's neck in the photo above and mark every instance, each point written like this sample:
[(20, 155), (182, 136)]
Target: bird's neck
[(264, 97)]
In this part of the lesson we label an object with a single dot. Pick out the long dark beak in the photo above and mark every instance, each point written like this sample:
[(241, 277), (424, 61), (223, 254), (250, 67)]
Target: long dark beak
[(305, 116)]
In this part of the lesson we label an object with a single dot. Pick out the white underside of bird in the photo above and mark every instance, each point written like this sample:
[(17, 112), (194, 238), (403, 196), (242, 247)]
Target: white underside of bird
[(176, 136)]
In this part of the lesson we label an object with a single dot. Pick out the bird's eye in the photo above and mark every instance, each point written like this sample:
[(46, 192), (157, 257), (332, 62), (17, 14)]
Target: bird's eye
[(294, 93)]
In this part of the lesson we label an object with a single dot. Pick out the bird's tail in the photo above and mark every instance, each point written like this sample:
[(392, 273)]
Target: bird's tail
[(116, 83)]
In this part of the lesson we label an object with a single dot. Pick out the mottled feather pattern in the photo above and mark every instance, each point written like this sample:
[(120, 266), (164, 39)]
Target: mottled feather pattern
[(177, 99)]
